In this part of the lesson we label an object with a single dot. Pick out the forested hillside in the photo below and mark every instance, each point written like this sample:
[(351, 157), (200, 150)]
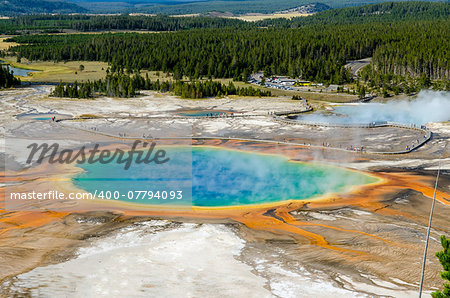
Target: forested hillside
[(18, 7), (120, 22), (196, 6), (427, 52), (379, 13), (408, 43), (315, 53)]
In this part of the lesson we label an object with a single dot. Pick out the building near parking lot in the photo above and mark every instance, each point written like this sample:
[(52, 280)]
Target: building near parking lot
[(302, 83)]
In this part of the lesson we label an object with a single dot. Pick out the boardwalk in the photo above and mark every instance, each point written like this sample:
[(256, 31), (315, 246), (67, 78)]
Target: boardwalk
[(274, 116)]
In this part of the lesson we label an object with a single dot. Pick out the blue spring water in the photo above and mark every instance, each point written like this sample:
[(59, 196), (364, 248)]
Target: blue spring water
[(42, 116), (222, 177)]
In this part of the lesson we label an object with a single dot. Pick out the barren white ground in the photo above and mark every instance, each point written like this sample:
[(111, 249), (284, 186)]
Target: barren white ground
[(162, 258)]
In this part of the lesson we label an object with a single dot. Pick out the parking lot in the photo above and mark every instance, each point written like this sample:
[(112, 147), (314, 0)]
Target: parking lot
[(281, 82)]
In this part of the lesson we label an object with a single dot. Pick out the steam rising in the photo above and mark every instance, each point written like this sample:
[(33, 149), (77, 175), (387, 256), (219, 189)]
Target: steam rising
[(428, 106)]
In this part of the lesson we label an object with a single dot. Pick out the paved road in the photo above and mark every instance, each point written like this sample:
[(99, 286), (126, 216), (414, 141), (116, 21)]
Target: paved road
[(356, 65)]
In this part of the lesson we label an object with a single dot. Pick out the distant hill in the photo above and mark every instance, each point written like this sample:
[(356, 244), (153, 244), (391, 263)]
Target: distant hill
[(382, 12), (388, 11), (204, 6), (19, 7), (307, 8)]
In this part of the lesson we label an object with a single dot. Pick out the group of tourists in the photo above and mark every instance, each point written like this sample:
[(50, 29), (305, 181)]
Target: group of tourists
[(354, 148), (415, 144), (219, 114)]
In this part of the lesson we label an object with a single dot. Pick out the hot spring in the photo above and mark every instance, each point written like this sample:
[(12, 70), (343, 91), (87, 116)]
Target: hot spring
[(222, 177), (42, 116), (428, 106)]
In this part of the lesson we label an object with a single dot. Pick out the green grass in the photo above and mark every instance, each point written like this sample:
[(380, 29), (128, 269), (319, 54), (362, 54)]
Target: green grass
[(55, 72)]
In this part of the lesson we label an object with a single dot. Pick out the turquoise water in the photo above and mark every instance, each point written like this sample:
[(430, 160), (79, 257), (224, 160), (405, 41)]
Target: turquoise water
[(222, 177), (35, 116), (42, 116)]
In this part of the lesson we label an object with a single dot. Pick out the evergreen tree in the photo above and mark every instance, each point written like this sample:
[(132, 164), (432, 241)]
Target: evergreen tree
[(316, 53), (7, 78), (444, 259)]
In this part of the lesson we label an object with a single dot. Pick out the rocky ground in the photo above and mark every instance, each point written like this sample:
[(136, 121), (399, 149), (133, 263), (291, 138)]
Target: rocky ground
[(389, 234)]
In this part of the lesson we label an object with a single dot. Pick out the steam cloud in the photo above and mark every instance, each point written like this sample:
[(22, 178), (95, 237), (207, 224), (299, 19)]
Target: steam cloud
[(428, 106)]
